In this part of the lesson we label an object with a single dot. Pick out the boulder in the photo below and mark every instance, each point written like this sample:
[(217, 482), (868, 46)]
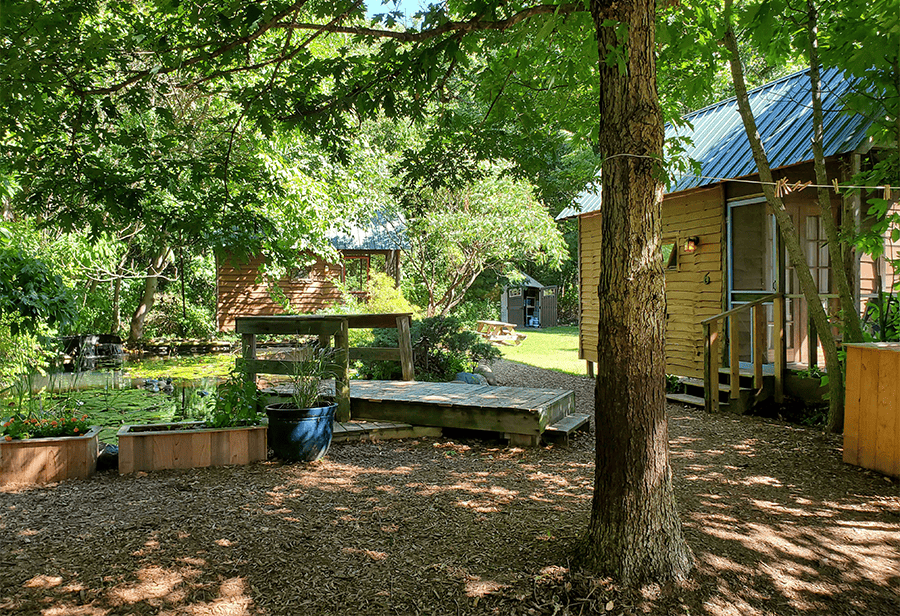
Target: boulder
[(487, 373), (470, 378)]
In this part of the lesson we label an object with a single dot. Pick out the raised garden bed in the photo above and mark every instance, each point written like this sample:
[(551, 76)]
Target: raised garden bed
[(872, 407), (188, 445), (46, 460)]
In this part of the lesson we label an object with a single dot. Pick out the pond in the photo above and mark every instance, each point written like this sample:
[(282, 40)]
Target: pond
[(140, 392)]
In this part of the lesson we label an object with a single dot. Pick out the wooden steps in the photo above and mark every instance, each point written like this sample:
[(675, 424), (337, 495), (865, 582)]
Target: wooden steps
[(747, 398), (379, 431), (560, 431)]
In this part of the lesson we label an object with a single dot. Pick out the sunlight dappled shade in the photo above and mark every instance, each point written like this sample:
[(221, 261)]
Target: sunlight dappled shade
[(155, 583), (44, 581)]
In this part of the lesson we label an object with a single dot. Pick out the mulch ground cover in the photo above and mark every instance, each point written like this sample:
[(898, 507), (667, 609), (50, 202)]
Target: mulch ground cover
[(777, 523)]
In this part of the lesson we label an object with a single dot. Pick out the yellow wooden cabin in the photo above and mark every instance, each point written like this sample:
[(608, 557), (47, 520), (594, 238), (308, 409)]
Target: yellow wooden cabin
[(720, 245)]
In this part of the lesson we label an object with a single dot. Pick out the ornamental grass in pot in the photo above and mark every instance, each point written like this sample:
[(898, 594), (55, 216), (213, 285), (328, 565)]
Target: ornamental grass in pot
[(300, 430)]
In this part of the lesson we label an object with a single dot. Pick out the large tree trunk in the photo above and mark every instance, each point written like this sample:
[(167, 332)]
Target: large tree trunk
[(157, 264), (634, 533), (791, 241)]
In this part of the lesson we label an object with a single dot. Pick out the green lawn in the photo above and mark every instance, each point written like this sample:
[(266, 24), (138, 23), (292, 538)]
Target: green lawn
[(555, 348)]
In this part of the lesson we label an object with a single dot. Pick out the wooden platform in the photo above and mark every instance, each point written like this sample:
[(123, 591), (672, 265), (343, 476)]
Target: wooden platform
[(520, 414)]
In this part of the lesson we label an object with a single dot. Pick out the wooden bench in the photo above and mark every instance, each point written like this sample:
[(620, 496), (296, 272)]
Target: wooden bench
[(498, 332)]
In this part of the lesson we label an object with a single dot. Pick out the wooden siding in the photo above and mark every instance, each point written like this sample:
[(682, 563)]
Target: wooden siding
[(870, 269), (590, 227), (240, 294), (690, 298), (694, 286)]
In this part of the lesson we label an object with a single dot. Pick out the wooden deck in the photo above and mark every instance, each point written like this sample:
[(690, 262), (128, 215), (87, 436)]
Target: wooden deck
[(520, 414)]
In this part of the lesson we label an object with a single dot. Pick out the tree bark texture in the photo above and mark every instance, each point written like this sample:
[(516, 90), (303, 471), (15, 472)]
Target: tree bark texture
[(634, 533), (157, 264), (791, 241)]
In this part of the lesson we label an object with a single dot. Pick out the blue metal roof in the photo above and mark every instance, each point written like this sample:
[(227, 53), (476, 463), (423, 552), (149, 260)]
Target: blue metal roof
[(783, 112), (383, 232)]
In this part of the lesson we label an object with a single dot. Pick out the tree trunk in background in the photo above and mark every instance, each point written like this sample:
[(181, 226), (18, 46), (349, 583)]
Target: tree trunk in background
[(791, 242), (157, 264), (634, 533), (837, 248), (116, 310)]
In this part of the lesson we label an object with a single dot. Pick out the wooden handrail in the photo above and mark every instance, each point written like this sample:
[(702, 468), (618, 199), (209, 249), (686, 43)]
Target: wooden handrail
[(742, 307), (711, 330)]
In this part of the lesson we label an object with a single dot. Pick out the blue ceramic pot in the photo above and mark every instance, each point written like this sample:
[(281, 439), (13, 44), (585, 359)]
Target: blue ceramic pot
[(300, 435)]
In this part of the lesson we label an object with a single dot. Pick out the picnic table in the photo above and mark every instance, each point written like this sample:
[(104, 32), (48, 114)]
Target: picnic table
[(499, 332)]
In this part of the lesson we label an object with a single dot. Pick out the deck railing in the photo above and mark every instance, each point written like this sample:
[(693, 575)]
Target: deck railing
[(713, 327)]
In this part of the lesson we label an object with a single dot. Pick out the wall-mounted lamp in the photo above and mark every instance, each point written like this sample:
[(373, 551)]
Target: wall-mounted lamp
[(691, 244)]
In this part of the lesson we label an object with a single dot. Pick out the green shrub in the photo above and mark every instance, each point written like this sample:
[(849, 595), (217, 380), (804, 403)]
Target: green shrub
[(382, 295), (472, 311), (674, 384), (31, 290), (235, 403), (19, 352), (167, 319), (441, 348)]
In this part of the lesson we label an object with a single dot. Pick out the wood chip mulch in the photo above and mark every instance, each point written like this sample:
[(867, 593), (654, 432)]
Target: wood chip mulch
[(778, 525)]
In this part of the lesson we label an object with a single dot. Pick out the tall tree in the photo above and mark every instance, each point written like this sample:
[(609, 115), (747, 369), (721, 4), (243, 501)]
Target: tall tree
[(455, 234), (635, 533)]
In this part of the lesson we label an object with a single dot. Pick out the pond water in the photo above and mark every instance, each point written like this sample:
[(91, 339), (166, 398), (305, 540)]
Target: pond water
[(139, 392)]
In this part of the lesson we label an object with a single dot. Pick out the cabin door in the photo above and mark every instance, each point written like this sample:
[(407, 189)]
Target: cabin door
[(751, 264)]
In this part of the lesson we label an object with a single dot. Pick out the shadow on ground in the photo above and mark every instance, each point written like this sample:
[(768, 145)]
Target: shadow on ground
[(777, 523)]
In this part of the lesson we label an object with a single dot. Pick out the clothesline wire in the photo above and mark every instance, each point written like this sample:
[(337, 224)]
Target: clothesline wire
[(759, 182)]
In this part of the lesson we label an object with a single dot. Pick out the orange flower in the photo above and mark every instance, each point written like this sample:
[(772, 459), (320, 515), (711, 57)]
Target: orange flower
[(84, 416), (8, 437), (53, 423), (76, 430)]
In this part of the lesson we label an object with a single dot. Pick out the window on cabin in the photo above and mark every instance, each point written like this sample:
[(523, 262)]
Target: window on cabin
[(302, 273), (670, 253)]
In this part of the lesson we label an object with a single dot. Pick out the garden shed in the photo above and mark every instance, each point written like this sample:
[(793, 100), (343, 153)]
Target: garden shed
[(527, 303)]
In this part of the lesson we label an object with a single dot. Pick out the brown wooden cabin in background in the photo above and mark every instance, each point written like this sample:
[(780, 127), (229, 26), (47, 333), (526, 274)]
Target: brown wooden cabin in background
[(720, 244), (364, 251)]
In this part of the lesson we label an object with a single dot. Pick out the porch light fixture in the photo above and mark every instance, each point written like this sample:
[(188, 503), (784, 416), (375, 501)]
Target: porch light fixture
[(691, 244)]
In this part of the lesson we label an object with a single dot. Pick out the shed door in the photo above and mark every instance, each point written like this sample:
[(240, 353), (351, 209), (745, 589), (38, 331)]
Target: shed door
[(548, 307), (516, 306)]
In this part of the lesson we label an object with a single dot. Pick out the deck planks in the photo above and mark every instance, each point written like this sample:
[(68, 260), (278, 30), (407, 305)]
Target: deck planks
[(509, 410)]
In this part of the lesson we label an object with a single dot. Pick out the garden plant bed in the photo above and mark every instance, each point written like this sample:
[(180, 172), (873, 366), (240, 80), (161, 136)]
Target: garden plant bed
[(188, 445), (46, 460), (778, 524)]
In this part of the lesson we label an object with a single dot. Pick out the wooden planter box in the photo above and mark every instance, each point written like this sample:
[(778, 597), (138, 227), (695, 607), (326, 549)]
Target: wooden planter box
[(188, 445), (47, 460), (872, 407)]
